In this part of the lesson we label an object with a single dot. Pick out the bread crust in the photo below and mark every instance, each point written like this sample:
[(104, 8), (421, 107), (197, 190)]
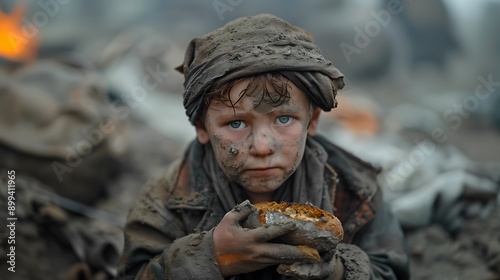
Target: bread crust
[(314, 227), (324, 220)]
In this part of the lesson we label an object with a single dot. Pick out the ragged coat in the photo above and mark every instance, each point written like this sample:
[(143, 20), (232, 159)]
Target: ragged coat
[(168, 234)]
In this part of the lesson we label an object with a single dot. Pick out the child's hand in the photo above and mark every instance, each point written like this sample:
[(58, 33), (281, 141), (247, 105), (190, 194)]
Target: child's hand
[(240, 250), (327, 270)]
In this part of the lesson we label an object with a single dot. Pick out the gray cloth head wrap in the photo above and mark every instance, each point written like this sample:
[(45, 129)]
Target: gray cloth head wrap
[(253, 45)]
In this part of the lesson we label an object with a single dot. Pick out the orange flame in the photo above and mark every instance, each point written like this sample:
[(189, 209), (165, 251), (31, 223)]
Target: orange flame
[(14, 43)]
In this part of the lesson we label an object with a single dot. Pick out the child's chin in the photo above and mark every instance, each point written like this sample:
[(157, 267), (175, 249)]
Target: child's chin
[(262, 187)]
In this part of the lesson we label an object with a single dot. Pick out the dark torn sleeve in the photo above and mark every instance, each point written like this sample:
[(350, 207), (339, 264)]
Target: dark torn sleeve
[(192, 257), (381, 242), (157, 245)]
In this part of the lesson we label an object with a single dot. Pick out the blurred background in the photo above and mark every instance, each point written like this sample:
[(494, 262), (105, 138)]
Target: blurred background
[(91, 108)]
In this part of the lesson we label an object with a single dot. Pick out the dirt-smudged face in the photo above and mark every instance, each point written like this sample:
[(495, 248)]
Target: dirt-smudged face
[(258, 145)]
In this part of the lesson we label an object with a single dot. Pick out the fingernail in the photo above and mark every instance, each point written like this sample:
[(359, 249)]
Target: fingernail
[(245, 205)]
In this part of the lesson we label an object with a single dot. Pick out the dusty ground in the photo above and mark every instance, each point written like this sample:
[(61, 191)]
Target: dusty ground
[(472, 253), (51, 247)]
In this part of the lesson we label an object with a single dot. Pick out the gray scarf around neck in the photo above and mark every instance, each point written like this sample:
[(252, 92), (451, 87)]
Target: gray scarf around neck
[(305, 185)]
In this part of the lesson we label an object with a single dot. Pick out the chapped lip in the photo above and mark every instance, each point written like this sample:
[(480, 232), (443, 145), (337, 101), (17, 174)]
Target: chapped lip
[(261, 170)]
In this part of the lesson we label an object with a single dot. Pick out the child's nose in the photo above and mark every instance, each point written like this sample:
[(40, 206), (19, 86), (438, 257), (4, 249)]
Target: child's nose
[(263, 143)]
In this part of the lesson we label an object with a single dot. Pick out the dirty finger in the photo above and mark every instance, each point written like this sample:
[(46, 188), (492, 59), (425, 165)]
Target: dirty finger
[(269, 232), (306, 270), (282, 253), (240, 211)]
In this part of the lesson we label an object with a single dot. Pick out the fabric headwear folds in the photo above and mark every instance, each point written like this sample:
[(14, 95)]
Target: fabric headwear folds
[(253, 45)]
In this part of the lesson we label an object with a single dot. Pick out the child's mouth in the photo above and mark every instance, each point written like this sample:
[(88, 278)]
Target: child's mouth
[(265, 171)]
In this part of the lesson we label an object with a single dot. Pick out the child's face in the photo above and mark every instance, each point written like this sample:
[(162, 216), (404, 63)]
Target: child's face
[(259, 145)]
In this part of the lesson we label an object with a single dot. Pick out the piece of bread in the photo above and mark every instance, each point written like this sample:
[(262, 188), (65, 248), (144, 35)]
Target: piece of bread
[(315, 227)]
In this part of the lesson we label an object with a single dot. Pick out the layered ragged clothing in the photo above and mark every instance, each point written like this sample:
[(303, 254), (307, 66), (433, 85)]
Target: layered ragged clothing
[(168, 234)]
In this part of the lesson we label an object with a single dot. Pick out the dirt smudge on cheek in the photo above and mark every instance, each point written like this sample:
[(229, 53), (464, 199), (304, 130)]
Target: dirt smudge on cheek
[(275, 145), (216, 140), (249, 141), (299, 146), (233, 151), (227, 155)]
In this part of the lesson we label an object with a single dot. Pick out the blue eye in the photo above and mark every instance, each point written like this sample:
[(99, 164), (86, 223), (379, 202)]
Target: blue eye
[(237, 125), (284, 120)]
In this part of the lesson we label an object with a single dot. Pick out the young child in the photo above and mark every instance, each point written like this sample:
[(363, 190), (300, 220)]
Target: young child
[(254, 90)]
